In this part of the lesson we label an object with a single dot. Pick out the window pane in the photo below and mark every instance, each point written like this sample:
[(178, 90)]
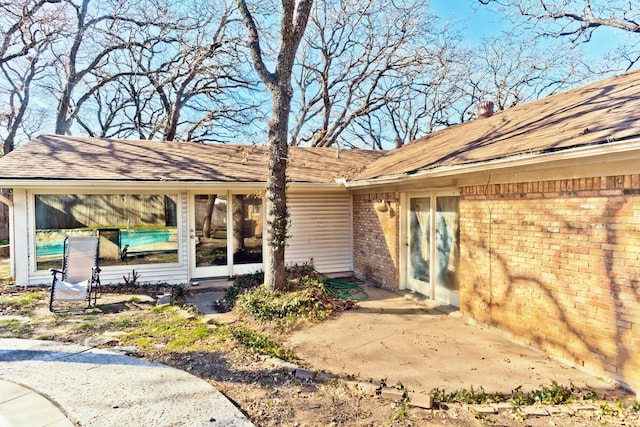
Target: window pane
[(211, 229), (419, 239), (447, 242), (247, 229), (133, 228)]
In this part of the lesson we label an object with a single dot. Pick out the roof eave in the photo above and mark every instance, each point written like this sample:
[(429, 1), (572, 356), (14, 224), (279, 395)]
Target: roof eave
[(165, 185), (529, 161)]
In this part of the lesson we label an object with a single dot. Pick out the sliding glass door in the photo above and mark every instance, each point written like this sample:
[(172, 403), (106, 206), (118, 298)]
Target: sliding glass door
[(225, 234), (432, 246)]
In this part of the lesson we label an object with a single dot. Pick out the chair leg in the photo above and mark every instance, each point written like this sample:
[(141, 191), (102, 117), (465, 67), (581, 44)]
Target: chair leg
[(53, 285)]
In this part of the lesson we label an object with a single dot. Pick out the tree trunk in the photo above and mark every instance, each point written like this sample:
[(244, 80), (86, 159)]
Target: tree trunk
[(295, 14), (206, 224), (277, 215), (237, 226)]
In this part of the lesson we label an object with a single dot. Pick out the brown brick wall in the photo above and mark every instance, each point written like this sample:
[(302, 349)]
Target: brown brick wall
[(375, 238), (557, 265)]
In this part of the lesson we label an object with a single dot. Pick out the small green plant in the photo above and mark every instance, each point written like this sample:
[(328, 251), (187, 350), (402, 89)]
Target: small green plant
[(470, 396), (555, 394), (286, 309), (178, 294), (619, 408), (402, 409), (160, 309), (241, 285), (166, 328), (247, 282), (258, 343), (86, 326), (121, 323)]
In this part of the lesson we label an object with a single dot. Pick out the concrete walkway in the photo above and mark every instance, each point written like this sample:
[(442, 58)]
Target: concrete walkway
[(45, 383), (404, 339)]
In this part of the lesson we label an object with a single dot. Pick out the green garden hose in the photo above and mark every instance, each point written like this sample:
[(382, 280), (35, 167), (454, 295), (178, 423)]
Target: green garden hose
[(344, 290)]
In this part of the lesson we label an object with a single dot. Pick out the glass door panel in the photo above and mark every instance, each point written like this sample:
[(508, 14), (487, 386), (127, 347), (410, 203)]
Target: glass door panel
[(226, 234), (447, 288), (247, 220), (209, 235), (418, 244)]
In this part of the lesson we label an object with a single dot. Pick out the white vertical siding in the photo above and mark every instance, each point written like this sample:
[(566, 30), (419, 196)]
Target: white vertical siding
[(321, 230), (21, 238)]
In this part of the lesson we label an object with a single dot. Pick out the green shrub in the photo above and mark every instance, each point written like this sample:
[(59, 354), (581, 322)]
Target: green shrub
[(241, 285), (258, 343), (288, 308), (248, 282)]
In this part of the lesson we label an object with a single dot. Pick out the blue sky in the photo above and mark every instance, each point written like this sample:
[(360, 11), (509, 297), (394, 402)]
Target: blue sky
[(477, 21)]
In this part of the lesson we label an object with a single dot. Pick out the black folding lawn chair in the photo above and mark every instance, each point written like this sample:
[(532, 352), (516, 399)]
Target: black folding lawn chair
[(79, 281)]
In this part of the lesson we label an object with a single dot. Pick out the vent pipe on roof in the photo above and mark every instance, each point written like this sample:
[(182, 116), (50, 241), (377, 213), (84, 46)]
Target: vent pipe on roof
[(485, 109)]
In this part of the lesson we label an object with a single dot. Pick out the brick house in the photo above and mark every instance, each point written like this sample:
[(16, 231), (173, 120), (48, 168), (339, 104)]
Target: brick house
[(536, 213), (527, 220)]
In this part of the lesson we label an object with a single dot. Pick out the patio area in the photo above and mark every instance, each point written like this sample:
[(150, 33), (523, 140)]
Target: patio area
[(400, 338)]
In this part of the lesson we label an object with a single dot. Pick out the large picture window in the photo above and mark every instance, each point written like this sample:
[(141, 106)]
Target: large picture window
[(133, 228)]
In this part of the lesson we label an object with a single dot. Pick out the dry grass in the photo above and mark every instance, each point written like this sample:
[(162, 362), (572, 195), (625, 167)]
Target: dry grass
[(5, 271)]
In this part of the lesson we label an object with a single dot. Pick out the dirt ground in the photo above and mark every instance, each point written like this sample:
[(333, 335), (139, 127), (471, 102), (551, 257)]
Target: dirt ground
[(271, 395)]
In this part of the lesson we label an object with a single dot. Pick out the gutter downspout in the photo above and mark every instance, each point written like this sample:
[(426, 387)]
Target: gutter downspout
[(12, 259)]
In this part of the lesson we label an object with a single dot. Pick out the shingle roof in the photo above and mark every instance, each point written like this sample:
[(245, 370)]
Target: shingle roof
[(76, 158), (602, 112), (605, 111)]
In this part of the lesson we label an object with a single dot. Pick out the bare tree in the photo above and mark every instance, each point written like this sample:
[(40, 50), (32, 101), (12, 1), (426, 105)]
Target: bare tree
[(145, 69), (577, 20), (186, 83), (358, 58), (21, 26), (509, 73), (294, 15), (100, 38), (19, 75), (28, 29), (426, 102), (198, 93)]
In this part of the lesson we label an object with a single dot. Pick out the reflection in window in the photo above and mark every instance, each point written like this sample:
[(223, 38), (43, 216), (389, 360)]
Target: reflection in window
[(447, 241), (420, 229), (133, 228), (247, 229), (211, 229)]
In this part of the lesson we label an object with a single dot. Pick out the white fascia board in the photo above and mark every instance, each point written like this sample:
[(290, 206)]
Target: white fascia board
[(593, 153), (124, 185), (160, 185)]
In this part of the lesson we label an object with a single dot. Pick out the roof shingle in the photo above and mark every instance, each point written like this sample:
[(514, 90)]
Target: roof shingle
[(605, 111), (54, 157)]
